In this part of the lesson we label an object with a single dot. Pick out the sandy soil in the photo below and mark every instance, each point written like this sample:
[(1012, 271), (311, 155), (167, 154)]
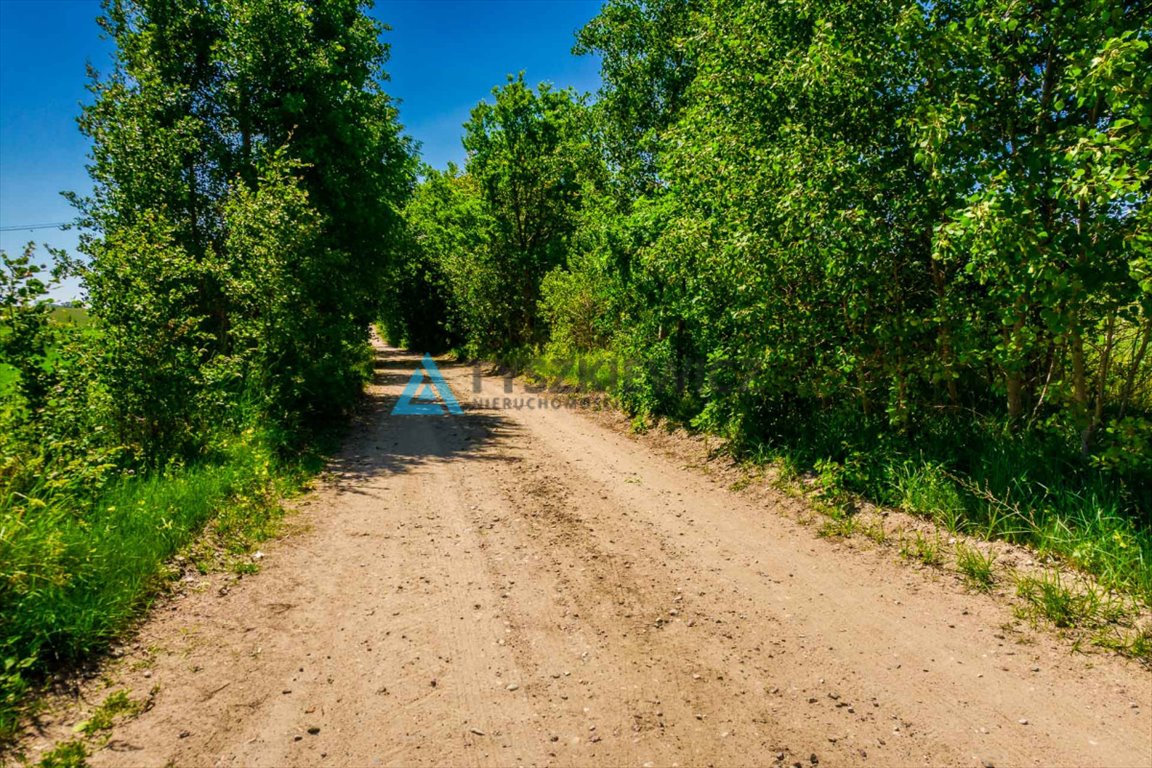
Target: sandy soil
[(535, 587)]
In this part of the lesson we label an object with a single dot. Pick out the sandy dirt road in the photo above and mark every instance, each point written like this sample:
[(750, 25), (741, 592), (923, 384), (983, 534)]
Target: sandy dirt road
[(532, 587)]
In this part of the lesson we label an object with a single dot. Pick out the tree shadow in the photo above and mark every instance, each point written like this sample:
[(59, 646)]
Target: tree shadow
[(382, 443)]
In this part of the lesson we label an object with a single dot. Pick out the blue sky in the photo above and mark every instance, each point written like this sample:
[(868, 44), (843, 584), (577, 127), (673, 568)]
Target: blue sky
[(446, 56)]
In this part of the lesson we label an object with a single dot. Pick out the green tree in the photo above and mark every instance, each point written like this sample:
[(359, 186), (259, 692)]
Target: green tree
[(529, 154), (308, 77), (211, 101), (1038, 121), (646, 66), (26, 336), (449, 291)]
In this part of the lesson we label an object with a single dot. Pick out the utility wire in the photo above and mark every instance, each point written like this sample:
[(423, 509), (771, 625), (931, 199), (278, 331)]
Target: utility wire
[(22, 227)]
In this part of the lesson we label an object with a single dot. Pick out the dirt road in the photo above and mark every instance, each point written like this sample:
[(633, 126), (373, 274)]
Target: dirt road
[(532, 587)]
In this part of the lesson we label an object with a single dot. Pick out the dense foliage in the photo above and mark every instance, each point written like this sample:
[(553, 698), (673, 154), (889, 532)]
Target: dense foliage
[(486, 238), (249, 174), (906, 243)]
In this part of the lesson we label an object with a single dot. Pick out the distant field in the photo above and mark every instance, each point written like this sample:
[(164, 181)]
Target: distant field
[(9, 376), (77, 316)]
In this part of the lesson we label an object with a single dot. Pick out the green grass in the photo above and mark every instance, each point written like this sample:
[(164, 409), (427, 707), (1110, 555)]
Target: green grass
[(77, 316), (926, 490), (69, 754), (922, 549), (841, 527), (74, 574), (982, 480), (1053, 598), (976, 567), (875, 531), (117, 704), (1136, 644)]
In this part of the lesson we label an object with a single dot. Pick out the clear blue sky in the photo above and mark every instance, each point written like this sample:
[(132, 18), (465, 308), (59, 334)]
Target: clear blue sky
[(446, 56)]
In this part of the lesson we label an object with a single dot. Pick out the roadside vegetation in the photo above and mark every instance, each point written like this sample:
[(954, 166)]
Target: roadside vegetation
[(902, 247), (247, 168)]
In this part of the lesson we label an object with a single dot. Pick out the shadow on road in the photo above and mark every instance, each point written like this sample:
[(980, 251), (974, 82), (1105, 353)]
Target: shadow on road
[(382, 443)]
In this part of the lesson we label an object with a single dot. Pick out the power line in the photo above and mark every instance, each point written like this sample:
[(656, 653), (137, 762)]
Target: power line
[(22, 227)]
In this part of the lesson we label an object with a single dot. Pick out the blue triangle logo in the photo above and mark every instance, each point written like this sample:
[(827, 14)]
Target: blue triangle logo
[(426, 394)]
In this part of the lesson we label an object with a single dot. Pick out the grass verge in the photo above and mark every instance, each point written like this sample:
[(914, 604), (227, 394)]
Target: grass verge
[(976, 567), (74, 575), (989, 483)]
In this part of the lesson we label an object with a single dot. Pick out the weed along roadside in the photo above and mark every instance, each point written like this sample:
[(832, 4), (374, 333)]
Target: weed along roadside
[(75, 585)]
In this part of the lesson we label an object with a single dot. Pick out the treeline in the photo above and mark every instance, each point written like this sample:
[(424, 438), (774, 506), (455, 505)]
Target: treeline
[(906, 244), (248, 173)]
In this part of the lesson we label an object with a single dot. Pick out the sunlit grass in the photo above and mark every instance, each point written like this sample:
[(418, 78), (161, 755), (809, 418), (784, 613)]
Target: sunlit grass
[(75, 316), (73, 574), (986, 483), (976, 567)]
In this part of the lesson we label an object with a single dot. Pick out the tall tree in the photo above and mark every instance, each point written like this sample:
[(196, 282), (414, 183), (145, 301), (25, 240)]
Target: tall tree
[(308, 78), (527, 152), (646, 66), (158, 167), (1038, 120), (212, 100)]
